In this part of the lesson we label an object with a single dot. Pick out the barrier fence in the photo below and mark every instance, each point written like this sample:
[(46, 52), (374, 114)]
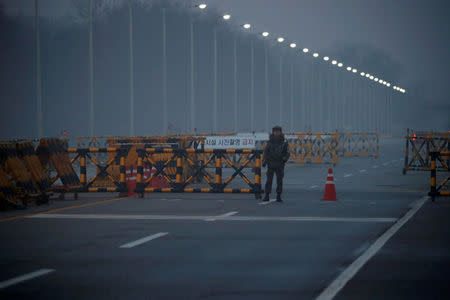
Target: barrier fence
[(314, 148), (442, 189), (183, 181), (33, 169), (358, 144), (418, 147)]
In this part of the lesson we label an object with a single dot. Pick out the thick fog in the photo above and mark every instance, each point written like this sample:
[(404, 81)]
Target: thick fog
[(302, 92)]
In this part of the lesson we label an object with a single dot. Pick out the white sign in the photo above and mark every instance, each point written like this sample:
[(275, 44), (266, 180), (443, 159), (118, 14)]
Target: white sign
[(229, 142)]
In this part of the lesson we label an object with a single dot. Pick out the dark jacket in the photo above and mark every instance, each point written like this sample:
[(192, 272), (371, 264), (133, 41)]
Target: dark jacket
[(276, 152)]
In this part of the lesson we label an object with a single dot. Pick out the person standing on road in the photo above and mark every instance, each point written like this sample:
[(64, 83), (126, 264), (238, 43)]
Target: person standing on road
[(276, 154)]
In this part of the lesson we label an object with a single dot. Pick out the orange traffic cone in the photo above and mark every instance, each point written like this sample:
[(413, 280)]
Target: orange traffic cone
[(330, 192)]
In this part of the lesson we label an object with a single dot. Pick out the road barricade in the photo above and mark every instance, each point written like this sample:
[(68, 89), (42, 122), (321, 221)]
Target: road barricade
[(53, 155), (418, 147), (104, 170), (23, 177), (314, 148), (358, 144), (8, 192), (183, 182), (443, 159)]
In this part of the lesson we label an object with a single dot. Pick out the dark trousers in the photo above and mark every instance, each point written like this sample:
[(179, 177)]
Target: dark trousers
[(280, 174)]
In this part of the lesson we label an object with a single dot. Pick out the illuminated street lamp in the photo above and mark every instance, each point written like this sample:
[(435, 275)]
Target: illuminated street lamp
[(265, 34), (202, 6), (340, 65), (226, 17), (316, 54), (280, 39), (349, 68), (363, 74), (293, 45), (371, 77), (326, 58), (334, 62), (354, 70), (247, 26), (305, 50)]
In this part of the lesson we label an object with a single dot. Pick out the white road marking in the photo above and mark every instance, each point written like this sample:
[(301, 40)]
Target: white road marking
[(331, 291), (314, 186), (144, 240), (228, 214), (362, 171), (348, 175), (201, 218), (267, 202), (375, 166), (19, 279), (385, 164)]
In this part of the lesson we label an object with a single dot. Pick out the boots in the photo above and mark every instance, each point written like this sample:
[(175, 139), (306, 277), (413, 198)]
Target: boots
[(279, 198), (266, 198)]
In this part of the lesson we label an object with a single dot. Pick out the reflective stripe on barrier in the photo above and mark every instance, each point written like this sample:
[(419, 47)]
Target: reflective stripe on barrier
[(434, 189)]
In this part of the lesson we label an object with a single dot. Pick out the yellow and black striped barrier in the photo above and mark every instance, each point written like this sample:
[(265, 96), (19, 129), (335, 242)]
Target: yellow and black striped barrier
[(84, 154), (216, 184), (434, 189), (418, 147), (314, 148), (358, 144)]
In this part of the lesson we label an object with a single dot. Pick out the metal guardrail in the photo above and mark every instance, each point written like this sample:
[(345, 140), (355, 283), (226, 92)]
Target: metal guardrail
[(434, 189)]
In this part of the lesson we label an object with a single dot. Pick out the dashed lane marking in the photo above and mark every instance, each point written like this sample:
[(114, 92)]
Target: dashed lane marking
[(348, 175), (362, 171), (314, 186), (19, 279), (229, 214), (144, 240)]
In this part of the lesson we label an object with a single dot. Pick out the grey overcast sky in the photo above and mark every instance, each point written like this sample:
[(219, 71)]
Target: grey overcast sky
[(414, 33)]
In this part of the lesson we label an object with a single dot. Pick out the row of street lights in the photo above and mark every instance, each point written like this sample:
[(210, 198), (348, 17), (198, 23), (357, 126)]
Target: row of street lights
[(292, 45)]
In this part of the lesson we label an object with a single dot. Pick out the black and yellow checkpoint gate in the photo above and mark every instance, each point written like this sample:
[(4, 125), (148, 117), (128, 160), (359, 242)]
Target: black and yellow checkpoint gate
[(216, 184), (88, 186), (434, 189), (419, 145)]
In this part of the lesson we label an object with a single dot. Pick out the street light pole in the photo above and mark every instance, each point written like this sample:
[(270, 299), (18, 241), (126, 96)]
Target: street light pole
[(235, 94), (39, 118), (266, 85), (252, 87), (164, 72), (281, 89), (292, 98), (130, 8), (91, 70), (192, 106), (215, 81)]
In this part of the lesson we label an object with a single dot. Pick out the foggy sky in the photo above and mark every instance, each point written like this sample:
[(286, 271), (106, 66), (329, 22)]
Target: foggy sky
[(404, 42)]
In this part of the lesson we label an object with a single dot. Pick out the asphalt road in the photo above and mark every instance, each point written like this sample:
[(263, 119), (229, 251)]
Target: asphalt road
[(220, 246)]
